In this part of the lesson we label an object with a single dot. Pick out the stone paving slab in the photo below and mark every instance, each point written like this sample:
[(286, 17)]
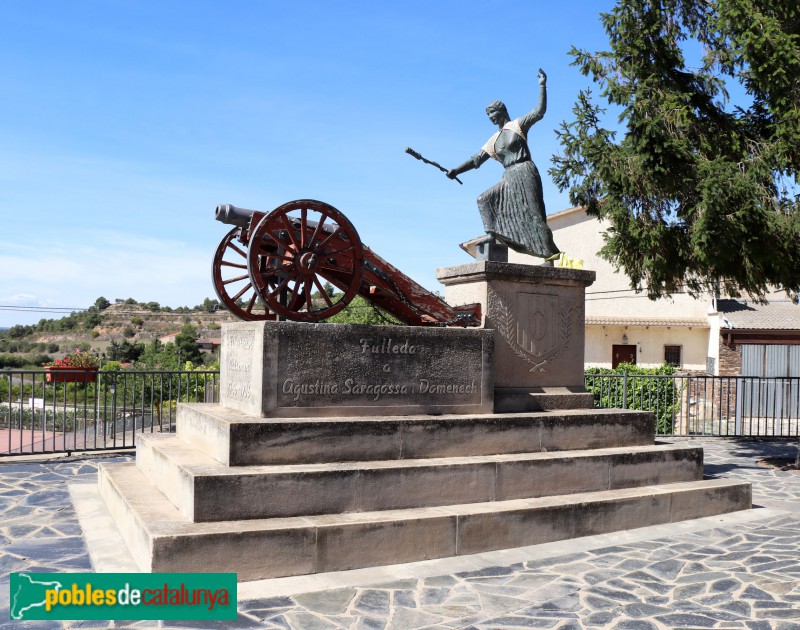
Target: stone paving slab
[(734, 573)]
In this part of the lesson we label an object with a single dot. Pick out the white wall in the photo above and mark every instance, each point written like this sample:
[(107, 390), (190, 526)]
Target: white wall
[(650, 344)]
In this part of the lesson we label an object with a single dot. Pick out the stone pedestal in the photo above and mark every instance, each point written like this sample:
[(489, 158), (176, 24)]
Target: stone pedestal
[(537, 314), (293, 369)]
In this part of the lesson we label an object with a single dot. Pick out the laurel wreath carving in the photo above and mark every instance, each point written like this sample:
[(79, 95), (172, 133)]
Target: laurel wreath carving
[(507, 327)]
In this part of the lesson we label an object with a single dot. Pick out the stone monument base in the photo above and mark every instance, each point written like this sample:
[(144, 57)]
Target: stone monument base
[(272, 497)]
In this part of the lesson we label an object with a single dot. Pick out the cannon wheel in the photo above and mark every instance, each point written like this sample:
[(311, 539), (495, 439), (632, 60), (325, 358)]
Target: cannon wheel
[(295, 249), (232, 281)]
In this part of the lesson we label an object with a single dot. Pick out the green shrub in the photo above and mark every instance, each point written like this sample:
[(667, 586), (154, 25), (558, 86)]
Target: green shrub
[(19, 361), (634, 387)]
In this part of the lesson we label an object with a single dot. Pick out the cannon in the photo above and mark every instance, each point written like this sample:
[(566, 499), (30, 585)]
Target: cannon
[(275, 265)]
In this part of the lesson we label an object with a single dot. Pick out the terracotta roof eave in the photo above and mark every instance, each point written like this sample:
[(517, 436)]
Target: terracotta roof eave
[(760, 331), (599, 320)]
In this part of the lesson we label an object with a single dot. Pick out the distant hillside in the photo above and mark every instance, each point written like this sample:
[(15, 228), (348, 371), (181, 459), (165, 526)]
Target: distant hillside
[(95, 328), (133, 322)]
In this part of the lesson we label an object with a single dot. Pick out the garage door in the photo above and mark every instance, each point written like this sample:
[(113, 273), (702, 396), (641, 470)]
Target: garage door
[(770, 387)]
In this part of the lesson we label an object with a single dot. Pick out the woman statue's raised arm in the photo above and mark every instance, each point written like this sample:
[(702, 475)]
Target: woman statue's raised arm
[(527, 121)]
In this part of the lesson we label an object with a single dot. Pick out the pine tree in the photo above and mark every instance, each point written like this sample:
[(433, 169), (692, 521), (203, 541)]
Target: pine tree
[(702, 189)]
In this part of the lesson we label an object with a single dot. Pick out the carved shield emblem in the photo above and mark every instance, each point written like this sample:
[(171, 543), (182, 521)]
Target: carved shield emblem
[(540, 329), (537, 322)]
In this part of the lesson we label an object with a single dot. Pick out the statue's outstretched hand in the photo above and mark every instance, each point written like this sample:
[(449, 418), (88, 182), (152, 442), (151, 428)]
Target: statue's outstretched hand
[(452, 173), (542, 78)]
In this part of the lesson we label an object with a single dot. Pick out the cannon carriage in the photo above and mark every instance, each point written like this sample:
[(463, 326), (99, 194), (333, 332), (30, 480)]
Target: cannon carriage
[(275, 266)]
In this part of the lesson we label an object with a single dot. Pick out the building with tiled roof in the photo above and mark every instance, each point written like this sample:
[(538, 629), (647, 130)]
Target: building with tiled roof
[(759, 339), (741, 315)]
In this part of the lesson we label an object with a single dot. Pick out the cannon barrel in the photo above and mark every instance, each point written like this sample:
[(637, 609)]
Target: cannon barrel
[(231, 215)]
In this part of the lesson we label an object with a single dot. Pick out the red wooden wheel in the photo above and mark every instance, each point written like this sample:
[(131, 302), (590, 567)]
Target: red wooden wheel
[(232, 281), (298, 247)]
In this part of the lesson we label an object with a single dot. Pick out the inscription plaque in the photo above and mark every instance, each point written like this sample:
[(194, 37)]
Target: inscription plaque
[(298, 369), (240, 378)]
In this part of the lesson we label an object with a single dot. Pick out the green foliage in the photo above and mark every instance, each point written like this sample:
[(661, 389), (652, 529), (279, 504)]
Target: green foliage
[(137, 321), (186, 344), (77, 322), (157, 356), (17, 332), (66, 324), (172, 356), (329, 289), (208, 305), (124, 351), (634, 387), (91, 320), (631, 368), (699, 191), (101, 303), (360, 311), (128, 332), (25, 346), (23, 360)]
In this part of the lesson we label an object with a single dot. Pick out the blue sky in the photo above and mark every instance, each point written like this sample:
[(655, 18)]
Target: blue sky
[(124, 123)]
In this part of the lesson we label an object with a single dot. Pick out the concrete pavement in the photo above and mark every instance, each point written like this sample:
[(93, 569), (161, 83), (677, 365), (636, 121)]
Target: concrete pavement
[(739, 570)]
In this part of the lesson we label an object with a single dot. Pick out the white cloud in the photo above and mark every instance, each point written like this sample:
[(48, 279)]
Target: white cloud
[(107, 263), (21, 299)]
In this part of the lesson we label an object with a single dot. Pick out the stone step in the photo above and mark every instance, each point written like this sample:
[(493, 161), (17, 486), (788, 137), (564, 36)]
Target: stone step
[(205, 490), (162, 539), (236, 439), (515, 399)]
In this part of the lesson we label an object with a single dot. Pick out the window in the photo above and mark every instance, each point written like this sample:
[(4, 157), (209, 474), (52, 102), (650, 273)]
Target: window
[(672, 355)]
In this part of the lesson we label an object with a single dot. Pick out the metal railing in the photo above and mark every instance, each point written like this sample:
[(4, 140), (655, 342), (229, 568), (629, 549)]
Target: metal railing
[(705, 405), (83, 410), (89, 410)]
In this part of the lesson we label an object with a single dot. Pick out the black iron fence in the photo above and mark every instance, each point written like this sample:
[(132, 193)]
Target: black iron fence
[(89, 410), (705, 405), (82, 410)]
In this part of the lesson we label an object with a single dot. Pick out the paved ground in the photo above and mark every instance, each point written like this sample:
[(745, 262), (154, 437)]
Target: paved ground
[(739, 571), (12, 441)]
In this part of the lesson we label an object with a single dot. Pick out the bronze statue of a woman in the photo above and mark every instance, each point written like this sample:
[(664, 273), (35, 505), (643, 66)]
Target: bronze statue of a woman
[(513, 210)]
